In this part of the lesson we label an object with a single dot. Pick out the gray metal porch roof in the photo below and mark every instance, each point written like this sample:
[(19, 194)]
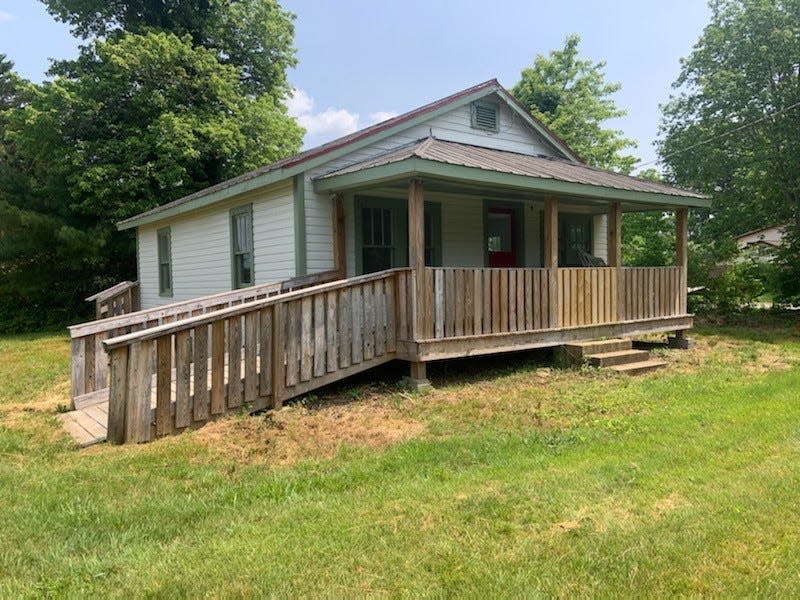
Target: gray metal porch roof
[(419, 158)]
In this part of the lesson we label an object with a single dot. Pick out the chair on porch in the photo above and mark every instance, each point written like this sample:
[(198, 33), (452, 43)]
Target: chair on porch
[(587, 260)]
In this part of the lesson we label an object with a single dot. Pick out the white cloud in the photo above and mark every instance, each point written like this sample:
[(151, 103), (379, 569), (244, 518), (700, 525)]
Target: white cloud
[(5, 17), (381, 115), (328, 124)]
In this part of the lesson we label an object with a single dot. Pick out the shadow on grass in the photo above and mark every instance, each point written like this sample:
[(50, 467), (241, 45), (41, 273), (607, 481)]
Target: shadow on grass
[(386, 379)]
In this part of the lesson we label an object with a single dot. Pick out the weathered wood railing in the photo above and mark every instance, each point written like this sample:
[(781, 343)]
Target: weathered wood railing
[(119, 299), (259, 353), (481, 301), (651, 292), (465, 302), (89, 361)]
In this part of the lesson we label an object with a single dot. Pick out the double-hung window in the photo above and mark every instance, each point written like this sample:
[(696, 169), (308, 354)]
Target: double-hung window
[(164, 262), (242, 246)]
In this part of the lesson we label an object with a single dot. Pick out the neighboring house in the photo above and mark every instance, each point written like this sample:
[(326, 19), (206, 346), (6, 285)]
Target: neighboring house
[(483, 232), (761, 243)]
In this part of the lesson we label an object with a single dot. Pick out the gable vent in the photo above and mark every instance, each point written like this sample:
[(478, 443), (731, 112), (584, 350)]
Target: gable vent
[(486, 116)]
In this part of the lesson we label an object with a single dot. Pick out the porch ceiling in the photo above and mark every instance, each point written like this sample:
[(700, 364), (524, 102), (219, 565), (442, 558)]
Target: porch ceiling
[(470, 166)]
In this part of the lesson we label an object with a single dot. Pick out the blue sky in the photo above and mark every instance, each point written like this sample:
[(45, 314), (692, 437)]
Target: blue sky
[(361, 61)]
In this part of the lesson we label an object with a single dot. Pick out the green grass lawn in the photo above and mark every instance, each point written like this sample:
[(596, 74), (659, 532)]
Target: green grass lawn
[(507, 479)]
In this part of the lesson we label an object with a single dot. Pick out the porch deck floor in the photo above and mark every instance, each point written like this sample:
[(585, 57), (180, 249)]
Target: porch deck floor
[(88, 425)]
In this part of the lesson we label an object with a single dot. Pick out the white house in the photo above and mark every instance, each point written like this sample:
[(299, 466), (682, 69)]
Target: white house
[(463, 227), (275, 223)]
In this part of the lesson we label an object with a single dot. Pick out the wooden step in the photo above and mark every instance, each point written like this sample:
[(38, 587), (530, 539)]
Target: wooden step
[(618, 357), (580, 350), (638, 368)]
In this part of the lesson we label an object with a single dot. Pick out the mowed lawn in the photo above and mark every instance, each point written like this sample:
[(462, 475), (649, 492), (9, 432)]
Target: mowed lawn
[(507, 479)]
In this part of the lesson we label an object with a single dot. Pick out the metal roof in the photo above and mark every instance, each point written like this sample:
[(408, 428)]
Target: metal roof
[(290, 166), (502, 161)]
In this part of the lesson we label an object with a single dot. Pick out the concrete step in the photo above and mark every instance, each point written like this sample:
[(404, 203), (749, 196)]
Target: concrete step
[(580, 350), (638, 368), (618, 357)]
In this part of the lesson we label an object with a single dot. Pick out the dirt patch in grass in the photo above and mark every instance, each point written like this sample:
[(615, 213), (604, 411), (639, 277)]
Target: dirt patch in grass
[(299, 432)]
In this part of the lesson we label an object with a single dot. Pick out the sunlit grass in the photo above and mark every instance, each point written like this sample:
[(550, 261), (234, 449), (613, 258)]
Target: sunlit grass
[(510, 479)]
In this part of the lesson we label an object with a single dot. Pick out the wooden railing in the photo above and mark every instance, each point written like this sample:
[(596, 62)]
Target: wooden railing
[(466, 302), (651, 292), (259, 353), (90, 363), (119, 299), (479, 301)]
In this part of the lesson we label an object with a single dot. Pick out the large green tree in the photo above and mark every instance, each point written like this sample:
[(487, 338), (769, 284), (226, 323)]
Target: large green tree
[(138, 119), (733, 126), (255, 36), (571, 96)]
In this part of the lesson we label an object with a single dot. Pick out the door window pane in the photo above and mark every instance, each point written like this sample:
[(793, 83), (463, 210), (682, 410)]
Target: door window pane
[(499, 232)]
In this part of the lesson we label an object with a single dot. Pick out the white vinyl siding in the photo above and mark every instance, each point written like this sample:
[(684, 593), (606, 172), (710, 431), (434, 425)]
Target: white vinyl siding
[(201, 247), (600, 236)]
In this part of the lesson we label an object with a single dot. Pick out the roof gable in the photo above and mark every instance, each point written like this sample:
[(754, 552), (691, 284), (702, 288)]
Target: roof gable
[(314, 157)]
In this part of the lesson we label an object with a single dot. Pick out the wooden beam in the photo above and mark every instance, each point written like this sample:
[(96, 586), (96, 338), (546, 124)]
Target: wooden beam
[(682, 251), (337, 213), (681, 237), (615, 234), (416, 250), (551, 258)]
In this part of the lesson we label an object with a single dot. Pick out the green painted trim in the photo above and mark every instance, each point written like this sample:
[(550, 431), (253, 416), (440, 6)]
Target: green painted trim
[(281, 174), (239, 210), (300, 256), (165, 291), (519, 225), (417, 167)]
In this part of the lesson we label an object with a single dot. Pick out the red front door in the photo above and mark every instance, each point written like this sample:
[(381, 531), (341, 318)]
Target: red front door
[(501, 237)]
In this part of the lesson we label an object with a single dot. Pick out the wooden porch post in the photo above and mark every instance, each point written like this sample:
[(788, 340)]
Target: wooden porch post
[(416, 260), (551, 259), (337, 213), (681, 260), (615, 234), (614, 239)]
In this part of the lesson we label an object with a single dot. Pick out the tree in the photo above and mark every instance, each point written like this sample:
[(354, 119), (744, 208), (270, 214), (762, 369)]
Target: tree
[(648, 238), (255, 36), (570, 95), (732, 127), (137, 121)]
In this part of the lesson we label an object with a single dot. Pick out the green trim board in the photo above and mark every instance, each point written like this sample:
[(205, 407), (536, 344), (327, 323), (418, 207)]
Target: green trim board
[(280, 174), (398, 208), (299, 203), (417, 167), (164, 259), (237, 280), (519, 225)]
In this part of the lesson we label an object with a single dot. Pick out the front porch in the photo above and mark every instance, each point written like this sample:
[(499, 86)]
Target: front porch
[(505, 252)]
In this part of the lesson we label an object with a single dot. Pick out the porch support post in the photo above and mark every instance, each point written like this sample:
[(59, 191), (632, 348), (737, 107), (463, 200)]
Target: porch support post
[(615, 234), (337, 216), (614, 239), (551, 259), (681, 260), (416, 260)]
